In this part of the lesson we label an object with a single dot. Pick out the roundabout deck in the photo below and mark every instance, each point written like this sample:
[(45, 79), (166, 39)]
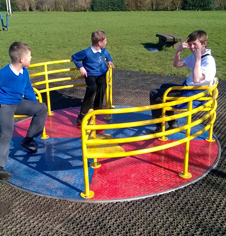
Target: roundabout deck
[(57, 169)]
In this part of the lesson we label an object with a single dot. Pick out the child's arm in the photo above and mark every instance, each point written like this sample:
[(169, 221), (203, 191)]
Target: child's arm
[(109, 59), (29, 93), (83, 71), (77, 59), (177, 62), (197, 72)]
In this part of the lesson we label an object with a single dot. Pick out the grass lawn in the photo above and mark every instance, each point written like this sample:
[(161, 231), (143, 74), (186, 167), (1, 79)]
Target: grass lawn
[(57, 35)]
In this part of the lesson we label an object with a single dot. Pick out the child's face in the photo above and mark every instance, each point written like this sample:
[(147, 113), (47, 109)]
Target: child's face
[(196, 45), (103, 43), (26, 59)]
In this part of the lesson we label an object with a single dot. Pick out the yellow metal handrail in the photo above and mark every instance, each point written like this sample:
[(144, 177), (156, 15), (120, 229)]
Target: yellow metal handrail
[(47, 81), (89, 126), (45, 71)]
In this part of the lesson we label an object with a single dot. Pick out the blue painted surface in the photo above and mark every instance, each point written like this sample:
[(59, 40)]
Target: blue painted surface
[(56, 170)]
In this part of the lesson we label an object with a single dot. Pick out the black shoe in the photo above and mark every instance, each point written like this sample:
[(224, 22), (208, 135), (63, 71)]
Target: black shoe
[(79, 119), (29, 144), (173, 124), (4, 175), (157, 130)]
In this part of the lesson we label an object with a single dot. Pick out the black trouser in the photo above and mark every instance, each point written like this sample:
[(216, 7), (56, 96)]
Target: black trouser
[(156, 96), (95, 90)]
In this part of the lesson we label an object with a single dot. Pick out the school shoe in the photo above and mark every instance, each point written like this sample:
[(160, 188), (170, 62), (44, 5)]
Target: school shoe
[(4, 175), (157, 130), (29, 144), (79, 119), (173, 124)]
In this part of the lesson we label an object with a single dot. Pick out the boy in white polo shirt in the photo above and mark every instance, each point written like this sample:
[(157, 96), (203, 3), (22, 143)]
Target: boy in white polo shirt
[(203, 71)]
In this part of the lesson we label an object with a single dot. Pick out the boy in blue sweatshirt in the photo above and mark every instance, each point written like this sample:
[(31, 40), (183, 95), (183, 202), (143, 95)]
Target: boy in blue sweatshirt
[(17, 97), (92, 65)]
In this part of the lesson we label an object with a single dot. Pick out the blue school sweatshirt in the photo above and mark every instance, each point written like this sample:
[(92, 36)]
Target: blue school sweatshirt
[(94, 63), (13, 88)]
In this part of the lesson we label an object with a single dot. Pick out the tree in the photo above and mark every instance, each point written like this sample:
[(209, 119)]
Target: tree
[(82, 5), (177, 4), (220, 4), (60, 5), (165, 4), (2, 5), (108, 5), (198, 5)]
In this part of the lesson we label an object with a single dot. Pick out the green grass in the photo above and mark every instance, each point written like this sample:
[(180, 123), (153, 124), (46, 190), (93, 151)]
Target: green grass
[(57, 35)]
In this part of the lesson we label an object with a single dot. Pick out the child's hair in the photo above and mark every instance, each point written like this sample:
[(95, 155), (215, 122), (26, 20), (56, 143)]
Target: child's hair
[(17, 50), (198, 34), (97, 36)]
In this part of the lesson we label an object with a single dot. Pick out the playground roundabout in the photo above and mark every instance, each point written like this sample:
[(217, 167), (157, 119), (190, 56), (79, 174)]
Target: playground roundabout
[(132, 162), (57, 169)]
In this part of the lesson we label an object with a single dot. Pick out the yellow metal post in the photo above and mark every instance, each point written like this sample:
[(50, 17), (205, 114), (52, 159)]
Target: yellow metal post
[(95, 164), (212, 118), (47, 90), (87, 193), (110, 84), (109, 92), (185, 174), (107, 89), (163, 138), (210, 138), (44, 135)]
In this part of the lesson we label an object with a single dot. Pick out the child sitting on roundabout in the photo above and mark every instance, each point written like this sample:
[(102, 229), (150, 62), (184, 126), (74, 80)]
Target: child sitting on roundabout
[(17, 97), (92, 65), (203, 71)]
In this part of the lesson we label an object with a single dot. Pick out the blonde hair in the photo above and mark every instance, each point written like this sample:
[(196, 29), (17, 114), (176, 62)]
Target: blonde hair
[(198, 34), (97, 36), (17, 50)]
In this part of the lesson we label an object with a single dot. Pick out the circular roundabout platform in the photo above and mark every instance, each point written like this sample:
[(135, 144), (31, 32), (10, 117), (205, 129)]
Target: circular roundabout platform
[(57, 169)]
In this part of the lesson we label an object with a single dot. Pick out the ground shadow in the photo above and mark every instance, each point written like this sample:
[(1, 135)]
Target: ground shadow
[(152, 46), (61, 100)]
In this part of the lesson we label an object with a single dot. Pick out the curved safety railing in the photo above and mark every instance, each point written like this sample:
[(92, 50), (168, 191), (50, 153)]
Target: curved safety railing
[(93, 146), (52, 77)]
